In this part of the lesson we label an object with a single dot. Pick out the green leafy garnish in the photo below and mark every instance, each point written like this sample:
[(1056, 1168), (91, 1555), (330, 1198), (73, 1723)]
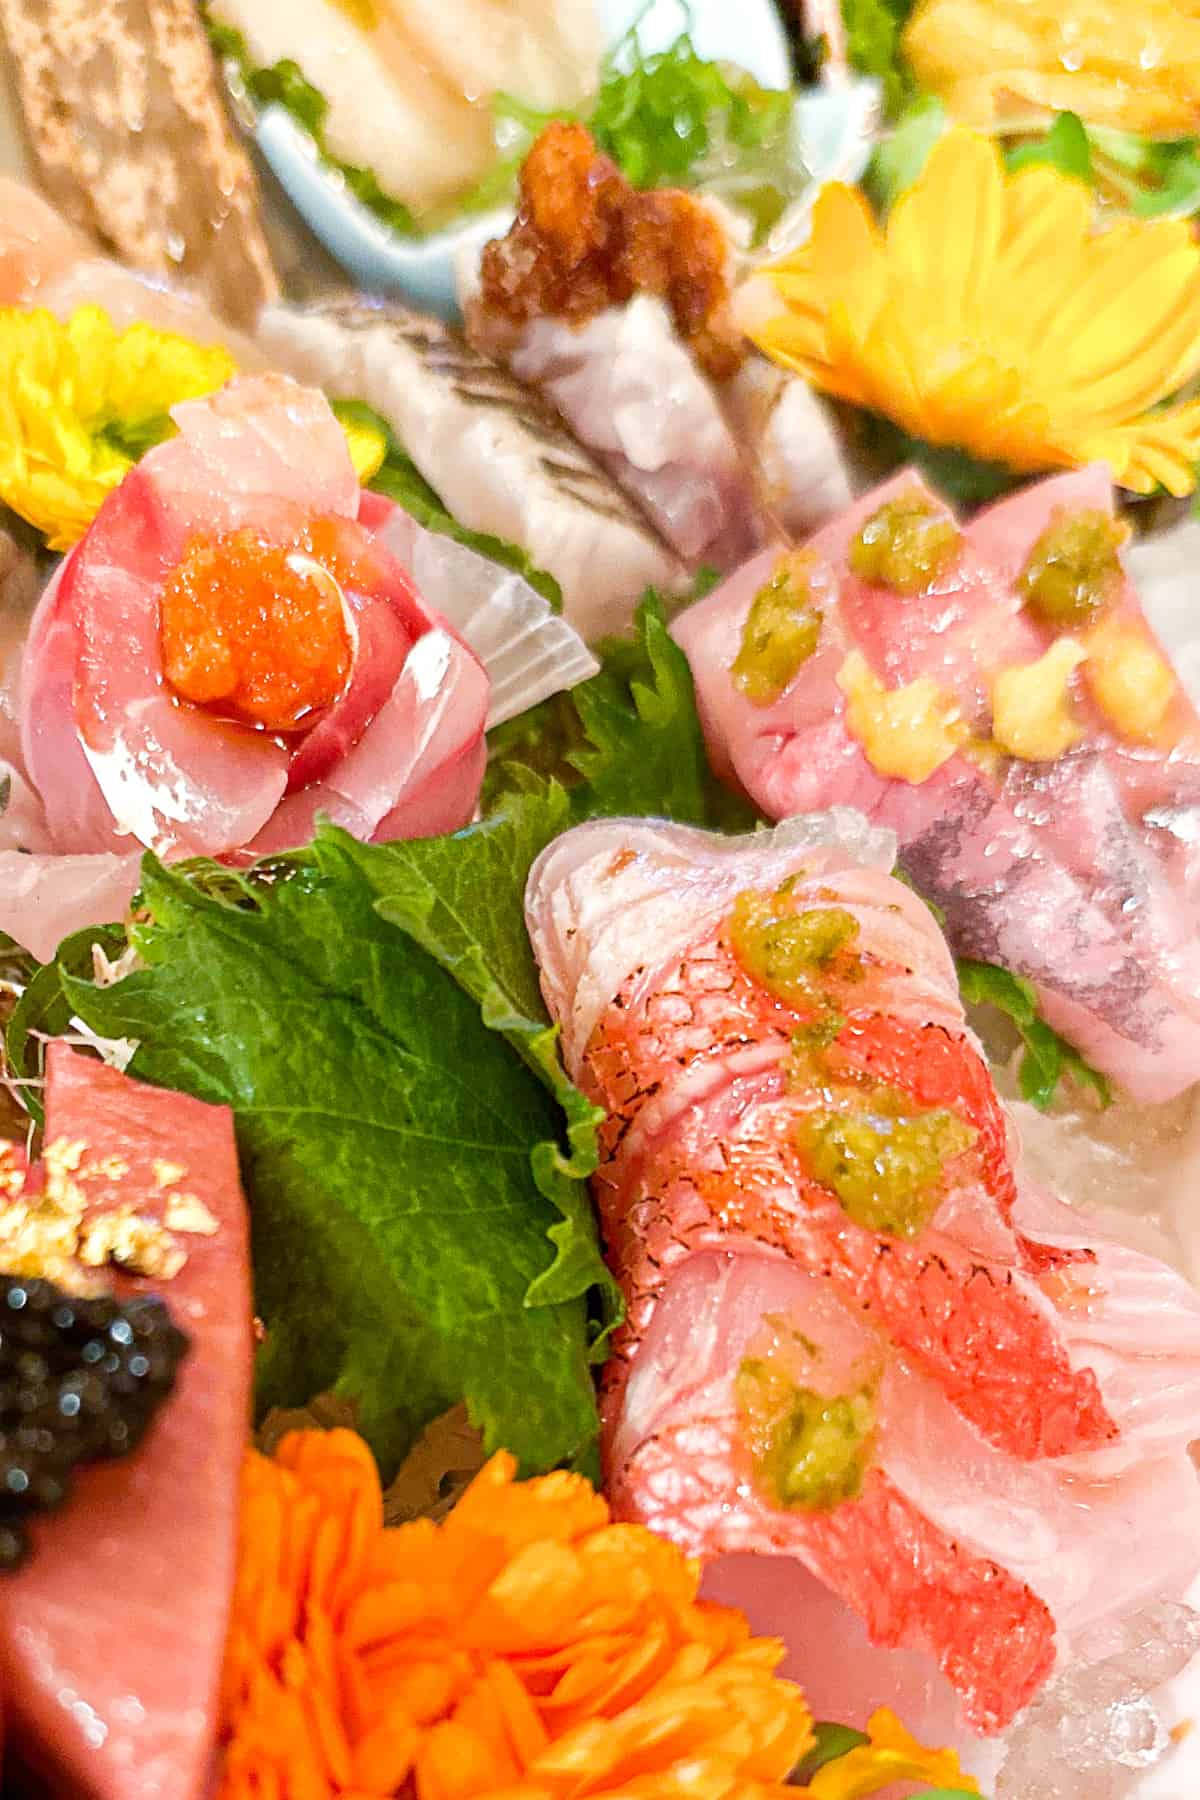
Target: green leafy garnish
[(422, 1232), (627, 741), (1064, 147), (400, 480), (873, 46), (670, 118), (660, 116), (1048, 1058), (832, 1741)]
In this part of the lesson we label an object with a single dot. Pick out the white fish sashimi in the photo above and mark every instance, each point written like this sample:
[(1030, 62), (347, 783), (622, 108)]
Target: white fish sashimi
[(501, 461), (528, 650), (544, 52), (44, 898), (628, 388), (385, 111), (803, 467)]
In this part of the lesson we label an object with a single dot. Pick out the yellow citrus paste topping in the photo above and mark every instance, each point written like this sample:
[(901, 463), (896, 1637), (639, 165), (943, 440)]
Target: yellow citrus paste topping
[(1033, 715), (908, 731), (1130, 681)]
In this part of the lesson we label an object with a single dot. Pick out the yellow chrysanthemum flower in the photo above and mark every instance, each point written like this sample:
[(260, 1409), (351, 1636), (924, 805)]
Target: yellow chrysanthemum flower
[(79, 402), (1130, 64), (893, 1754), (994, 315)]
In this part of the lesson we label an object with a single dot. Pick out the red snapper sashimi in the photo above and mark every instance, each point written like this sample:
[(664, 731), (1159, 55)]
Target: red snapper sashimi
[(995, 696), (851, 1324)]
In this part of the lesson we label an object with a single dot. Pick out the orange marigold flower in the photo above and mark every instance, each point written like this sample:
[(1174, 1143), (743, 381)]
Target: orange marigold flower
[(526, 1648)]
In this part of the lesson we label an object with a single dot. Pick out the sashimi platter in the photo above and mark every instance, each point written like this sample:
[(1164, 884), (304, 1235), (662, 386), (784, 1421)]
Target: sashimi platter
[(599, 899)]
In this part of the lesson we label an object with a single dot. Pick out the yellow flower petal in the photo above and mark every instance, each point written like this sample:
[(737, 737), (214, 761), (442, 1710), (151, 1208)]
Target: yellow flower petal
[(996, 317), (1132, 64), (893, 1754), (78, 401)]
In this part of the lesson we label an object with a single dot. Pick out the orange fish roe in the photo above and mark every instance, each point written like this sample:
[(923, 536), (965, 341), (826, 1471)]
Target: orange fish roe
[(257, 630), (526, 1647)]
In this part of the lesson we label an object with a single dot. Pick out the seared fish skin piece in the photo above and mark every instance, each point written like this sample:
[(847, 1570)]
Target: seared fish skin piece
[(132, 143), (501, 460), (954, 1417)]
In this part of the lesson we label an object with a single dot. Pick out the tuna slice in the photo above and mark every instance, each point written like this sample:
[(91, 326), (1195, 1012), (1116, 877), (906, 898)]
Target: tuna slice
[(498, 456), (1022, 1424), (1081, 870), (111, 1636)]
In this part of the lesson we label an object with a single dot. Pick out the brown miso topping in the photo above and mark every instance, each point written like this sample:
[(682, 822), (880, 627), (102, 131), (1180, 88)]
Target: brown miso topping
[(584, 239)]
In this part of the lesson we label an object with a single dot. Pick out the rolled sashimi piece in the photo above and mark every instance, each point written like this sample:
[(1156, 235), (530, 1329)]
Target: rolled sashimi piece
[(228, 651), (500, 458), (996, 698), (854, 1335)]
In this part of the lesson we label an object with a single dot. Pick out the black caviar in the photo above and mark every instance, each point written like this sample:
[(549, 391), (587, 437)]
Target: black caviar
[(80, 1379)]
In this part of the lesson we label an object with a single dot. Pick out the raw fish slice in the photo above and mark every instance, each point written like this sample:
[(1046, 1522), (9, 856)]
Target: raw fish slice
[(1025, 1429), (174, 778), (112, 1636), (46, 262), (45, 897), (268, 456), (1036, 866), (22, 821), (36, 244), (718, 1147), (676, 1462), (804, 474), (501, 460), (20, 585), (545, 52), (261, 442), (1160, 794), (628, 389), (420, 139), (416, 770), (528, 650)]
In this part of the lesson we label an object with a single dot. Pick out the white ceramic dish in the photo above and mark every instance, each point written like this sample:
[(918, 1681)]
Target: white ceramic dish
[(747, 32)]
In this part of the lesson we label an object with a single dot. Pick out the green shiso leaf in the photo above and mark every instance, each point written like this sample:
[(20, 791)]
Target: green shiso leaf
[(873, 46), (1064, 147), (400, 480), (627, 741), (1048, 1059), (421, 1235)]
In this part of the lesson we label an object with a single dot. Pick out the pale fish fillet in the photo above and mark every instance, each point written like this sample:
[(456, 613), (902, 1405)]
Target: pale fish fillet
[(501, 460)]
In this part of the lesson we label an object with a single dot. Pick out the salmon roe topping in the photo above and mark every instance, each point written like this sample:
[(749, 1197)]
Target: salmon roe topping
[(257, 631)]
